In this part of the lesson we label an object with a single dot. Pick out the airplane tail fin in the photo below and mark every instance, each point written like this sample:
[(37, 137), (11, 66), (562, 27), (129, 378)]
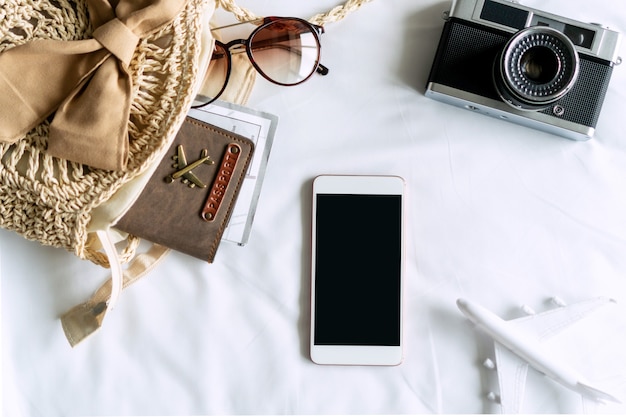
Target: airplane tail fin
[(205, 154), (596, 393)]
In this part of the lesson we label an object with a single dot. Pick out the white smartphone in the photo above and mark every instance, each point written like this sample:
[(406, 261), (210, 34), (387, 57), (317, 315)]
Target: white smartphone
[(357, 270)]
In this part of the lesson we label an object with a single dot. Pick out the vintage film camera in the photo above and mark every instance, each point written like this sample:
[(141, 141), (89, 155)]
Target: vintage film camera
[(505, 60)]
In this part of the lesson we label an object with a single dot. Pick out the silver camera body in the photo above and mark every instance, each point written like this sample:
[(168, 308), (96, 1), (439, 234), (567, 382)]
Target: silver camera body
[(513, 62)]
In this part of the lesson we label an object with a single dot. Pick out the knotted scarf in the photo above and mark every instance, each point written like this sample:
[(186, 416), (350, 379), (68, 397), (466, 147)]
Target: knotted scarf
[(86, 81)]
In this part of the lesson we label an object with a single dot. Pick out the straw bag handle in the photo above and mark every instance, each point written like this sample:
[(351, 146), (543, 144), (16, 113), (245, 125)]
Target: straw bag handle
[(334, 15)]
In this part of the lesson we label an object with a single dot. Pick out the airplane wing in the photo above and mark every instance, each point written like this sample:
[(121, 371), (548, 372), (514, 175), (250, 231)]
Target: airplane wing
[(512, 370), (182, 159), (550, 323), (190, 176)]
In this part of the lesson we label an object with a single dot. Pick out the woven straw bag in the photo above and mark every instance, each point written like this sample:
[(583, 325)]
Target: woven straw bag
[(65, 204), (52, 200), (68, 205)]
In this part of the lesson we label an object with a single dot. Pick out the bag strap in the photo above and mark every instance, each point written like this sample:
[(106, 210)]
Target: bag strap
[(84, 319), (334, 15)]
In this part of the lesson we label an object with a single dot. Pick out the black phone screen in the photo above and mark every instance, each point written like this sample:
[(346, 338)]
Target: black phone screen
[(358, 268)]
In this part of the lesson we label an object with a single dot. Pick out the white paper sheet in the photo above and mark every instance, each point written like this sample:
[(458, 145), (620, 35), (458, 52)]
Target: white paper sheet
[(260, 128)]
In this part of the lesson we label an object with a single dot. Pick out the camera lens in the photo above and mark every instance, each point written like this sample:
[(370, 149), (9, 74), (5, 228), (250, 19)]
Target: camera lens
[(539, 65), (536, 68)]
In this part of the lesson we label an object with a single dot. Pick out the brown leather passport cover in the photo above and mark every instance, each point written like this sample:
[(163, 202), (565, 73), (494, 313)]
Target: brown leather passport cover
[(173, 209)]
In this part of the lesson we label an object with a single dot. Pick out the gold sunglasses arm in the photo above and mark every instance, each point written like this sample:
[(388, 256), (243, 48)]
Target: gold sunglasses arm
[(254, 22), (318, 28)]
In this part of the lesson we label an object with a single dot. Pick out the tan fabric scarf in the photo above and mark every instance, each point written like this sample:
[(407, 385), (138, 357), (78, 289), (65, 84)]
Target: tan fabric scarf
[(85, 81)]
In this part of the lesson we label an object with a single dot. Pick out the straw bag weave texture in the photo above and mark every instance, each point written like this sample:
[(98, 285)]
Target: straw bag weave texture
[(51, 200)]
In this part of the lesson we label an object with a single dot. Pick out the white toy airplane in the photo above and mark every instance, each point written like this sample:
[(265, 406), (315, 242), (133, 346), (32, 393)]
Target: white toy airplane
[(518, 343)]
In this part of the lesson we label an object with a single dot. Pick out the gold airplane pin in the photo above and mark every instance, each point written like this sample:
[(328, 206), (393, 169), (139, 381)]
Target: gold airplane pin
[(184, 169)]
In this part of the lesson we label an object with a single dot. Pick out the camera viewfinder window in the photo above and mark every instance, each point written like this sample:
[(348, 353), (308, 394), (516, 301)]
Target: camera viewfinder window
[(580, 36), (504, 15)]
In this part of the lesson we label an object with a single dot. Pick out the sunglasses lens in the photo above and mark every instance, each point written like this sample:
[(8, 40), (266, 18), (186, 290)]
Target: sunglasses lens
[(286, 51), (215, 79)]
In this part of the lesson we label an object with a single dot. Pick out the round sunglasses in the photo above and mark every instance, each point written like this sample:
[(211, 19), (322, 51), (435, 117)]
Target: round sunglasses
[(284, 50)]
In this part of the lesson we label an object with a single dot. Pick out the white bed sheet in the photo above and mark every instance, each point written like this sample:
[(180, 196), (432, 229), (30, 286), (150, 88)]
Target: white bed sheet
[(498, 213)]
